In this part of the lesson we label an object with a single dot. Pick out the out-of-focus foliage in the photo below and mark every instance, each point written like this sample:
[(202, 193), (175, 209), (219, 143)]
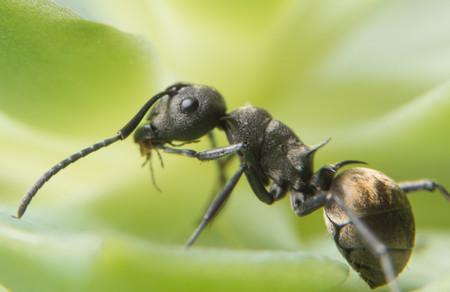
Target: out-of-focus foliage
[(371, 74), (112, 262), (56, 65)]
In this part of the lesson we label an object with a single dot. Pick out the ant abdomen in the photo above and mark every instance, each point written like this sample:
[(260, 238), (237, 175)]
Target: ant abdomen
[(381, 204)]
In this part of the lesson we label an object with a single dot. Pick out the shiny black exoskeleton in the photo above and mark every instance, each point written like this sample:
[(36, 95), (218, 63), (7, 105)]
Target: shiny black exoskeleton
[(367, 213)]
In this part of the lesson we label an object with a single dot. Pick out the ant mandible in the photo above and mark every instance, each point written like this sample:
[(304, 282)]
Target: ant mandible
[(366, 212)]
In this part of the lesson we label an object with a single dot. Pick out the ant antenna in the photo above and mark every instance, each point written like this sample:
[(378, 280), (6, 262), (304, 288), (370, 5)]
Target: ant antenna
[(123, 133)]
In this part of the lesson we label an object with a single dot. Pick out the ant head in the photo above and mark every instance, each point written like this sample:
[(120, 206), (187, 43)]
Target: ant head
[(185, 112)]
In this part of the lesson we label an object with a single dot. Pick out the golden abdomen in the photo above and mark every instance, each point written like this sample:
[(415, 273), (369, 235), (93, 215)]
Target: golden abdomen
[(380, 203)]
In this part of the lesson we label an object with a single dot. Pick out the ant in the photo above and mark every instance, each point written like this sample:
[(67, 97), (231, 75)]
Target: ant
[(367, 213)]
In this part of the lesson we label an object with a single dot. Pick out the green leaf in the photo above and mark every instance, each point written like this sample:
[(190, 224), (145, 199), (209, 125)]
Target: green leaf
[(373, 75), (427, 267), (64, 74), (109, 261), (218, 270), (58, 70), (437, 286), (50, 263)]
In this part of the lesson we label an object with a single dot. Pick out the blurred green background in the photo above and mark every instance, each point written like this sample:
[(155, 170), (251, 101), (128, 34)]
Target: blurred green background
[(373, 75)]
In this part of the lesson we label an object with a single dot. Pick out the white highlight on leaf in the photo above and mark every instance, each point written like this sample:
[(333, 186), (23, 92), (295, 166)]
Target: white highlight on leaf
[(408, 116)]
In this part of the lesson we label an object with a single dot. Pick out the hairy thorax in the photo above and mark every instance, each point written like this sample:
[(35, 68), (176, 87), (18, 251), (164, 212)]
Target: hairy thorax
[(272, 146)]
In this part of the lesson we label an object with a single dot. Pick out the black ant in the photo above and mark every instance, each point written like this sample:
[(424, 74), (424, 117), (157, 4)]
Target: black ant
[(367, 213)]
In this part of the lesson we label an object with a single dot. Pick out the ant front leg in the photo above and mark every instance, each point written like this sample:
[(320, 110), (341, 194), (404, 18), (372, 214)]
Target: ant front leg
[(211, 154), (221, 163)]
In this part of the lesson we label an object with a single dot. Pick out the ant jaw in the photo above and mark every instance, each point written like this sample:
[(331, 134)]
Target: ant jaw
[(145, 148)]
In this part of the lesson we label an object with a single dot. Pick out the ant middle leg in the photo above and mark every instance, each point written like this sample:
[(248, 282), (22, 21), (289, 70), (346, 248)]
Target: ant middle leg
[(222, 163), (275, 193), (217, 204)]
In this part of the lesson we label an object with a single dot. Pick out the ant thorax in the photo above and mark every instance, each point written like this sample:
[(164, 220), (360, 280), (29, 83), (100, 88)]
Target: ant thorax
[(274, 150)]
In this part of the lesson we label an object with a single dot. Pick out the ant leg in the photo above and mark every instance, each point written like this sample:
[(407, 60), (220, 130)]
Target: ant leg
[(217, 204), (322, 180), (275, 193), (377, 248), (211, 154), (221, 163), (222, 178), (424, 185), (278, 191), (304, 207), (258, 187)]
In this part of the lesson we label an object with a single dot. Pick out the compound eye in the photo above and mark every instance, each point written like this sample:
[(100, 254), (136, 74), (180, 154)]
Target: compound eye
[(188, 105)]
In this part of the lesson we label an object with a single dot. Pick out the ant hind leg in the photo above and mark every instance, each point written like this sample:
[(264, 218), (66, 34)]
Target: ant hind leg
[(424, 185)]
